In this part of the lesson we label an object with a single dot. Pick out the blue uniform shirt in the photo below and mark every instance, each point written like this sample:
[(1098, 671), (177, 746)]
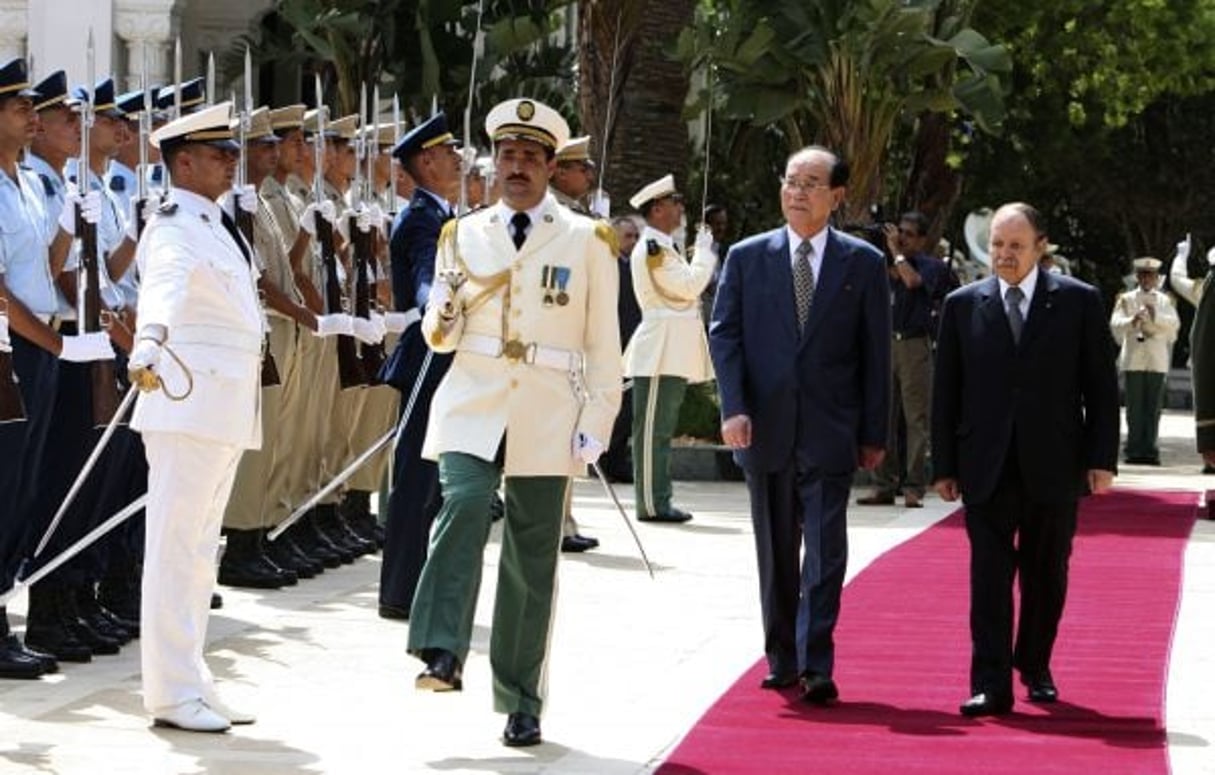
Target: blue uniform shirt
[(911, 308), (25, 233)]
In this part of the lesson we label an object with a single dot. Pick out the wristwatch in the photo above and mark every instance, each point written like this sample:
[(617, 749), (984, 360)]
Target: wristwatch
[(900, 259)]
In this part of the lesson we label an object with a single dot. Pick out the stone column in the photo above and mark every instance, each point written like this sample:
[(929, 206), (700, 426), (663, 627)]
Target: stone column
[(146, 26), (14, 25)]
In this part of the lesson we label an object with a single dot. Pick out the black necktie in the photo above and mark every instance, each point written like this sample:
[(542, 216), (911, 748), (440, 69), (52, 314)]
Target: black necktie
[(1012, 301), (519, 223)]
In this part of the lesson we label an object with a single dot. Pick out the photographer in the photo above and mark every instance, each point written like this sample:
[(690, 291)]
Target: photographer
[(1145, 323), (914, 275)]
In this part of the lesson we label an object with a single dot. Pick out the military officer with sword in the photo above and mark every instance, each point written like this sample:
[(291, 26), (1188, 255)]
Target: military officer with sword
[(525, 297)]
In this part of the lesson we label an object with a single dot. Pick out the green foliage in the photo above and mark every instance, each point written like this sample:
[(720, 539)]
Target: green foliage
[(840, 73), (700, 414), (422, 50)]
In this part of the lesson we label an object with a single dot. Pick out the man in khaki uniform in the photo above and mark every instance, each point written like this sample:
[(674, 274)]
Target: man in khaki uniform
[(571, 182), (668, 350), (525, 295)]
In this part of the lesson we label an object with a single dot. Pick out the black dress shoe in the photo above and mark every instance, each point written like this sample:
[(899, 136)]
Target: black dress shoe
[(442, 673), (16, 663), (578, 543), (48, 662), (522, 729), (778, 681), (497, 509), (1041, 687), (217, 601), (819, 689), (394, 612), (986, 704), (672, 515)]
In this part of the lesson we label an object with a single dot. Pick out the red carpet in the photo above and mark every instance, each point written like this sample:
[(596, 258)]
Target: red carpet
[(902, 656)]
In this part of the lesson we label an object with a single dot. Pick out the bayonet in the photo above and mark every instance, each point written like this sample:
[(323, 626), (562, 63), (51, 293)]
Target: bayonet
[(211, 78), (177, 78), (396, 138)]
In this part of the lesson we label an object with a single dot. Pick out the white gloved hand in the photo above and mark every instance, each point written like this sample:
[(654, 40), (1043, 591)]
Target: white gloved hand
[(1183, 249), (149, 209), (325, 210), (145, 354), (369, 330), (364, 220), (90, 209), (587, 448), (338, 324), (5, 344), (395, 322), (246, 197), (379, 218), (87, 347), (704, 242)]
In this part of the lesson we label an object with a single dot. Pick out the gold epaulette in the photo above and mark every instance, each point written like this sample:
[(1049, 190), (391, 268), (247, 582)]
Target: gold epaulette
[(605, 232)]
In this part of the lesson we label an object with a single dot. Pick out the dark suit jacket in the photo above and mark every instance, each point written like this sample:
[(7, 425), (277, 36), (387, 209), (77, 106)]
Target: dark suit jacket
[(821, 396), (1202, 351), (415, 236), (1056, 393)]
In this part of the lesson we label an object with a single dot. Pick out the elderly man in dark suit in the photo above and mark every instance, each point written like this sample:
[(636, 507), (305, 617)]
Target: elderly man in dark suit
[(428, 155), (800, 338), (1024, 422)]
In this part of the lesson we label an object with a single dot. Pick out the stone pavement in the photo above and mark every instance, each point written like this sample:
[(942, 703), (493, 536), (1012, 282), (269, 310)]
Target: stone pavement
[(634, 661)]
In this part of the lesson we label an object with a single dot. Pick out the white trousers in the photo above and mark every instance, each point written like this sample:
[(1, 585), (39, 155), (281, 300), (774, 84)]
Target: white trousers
[(189, 481)]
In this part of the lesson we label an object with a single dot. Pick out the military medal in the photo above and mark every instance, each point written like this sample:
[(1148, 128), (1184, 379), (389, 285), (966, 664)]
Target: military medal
[(546, 282), (563, 278)]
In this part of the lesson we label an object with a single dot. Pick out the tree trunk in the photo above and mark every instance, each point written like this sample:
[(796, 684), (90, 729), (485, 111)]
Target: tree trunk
[(933, 186), (647, 137)]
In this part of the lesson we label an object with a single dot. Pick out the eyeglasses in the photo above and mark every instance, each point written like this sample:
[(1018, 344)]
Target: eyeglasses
[(797, 184)]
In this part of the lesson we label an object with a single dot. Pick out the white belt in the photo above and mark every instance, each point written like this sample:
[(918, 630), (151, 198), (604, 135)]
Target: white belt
[(661, 313), (518, 352), (217, 336), (411, 316)]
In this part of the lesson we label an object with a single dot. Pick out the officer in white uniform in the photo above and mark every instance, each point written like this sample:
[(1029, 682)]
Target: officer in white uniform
[(668, 350), (198, 356), (1145, 323), (525, 295)]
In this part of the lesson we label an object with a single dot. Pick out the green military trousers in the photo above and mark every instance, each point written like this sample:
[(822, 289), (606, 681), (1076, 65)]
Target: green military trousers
[(446, 598), (656, 402), (1144, 402)]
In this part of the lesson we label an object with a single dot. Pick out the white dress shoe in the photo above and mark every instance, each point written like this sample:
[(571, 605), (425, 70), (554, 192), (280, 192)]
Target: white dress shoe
[(192, 716), (233, 715)]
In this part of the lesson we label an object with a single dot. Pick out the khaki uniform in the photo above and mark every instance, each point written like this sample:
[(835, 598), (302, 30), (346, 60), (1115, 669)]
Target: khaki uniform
[(667, 351), (530, 318)]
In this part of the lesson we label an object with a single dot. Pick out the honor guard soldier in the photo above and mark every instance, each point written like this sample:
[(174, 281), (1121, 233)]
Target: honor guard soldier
[(31, 305), (198, 354), (1202, 349), (668, 350), (193, 96), (571, 183), (428, 154), (525, 296), (1144, 322), (64, 615)]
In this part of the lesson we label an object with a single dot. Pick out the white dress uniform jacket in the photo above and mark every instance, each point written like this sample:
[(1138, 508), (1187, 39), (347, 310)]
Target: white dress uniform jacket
[(670, 341), (198, 285), (1155, 352), (514, 296)]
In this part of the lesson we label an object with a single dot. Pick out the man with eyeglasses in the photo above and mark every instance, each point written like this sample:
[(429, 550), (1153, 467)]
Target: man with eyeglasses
[(914, 279), (800, 336), (668, 350)]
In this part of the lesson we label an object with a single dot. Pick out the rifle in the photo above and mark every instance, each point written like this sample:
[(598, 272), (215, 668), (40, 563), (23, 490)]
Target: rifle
[(350, 371), (371, 356), (145, 128), (103, 377), (244, 219), (12, 408)]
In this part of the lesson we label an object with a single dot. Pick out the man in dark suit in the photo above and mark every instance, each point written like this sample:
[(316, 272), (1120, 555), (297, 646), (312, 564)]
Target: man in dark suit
[(428, 154), (800, 339), (1024, 422)]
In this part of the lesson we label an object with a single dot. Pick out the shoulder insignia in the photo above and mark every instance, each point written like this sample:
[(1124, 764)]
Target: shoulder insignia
[(167, 208), (653, 254), (118, 183), (47, 185), (417, 203), (157, 173), (605, 232)]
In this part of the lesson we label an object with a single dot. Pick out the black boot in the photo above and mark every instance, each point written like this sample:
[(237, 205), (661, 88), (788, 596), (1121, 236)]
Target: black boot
[(244, 564), (284, 553), (46, 632), (356, 510), (69, 611), (304, 534), (119, 592), (335, 524), (15, 662), (313, 523), (325, 519), (97, 617)]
